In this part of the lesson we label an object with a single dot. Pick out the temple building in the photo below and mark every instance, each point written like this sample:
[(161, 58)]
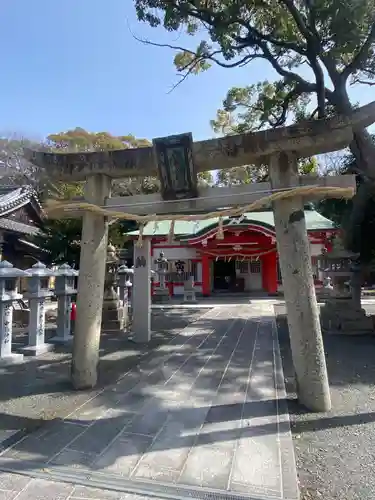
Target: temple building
[(244, 259)]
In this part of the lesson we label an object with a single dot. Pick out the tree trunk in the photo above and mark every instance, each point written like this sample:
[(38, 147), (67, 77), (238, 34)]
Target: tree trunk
[(299, 291), (363, 149)]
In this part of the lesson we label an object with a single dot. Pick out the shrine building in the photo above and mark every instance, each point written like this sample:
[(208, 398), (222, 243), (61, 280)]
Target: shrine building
[(244, 260)]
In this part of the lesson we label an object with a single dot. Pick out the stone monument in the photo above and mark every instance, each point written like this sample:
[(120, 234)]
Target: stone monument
[(113, 317), (342, 313), (161, 293), (189, 291)]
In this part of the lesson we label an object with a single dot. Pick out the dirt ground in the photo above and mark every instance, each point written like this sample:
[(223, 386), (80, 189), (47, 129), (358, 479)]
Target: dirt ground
[(335, 451)]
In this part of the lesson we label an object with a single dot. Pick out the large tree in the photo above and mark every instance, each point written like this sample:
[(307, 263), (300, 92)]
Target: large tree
[(317, 48)]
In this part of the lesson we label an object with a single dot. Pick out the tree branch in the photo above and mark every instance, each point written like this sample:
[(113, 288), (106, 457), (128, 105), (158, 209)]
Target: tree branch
[(361, 56), (364, 82), (209, 55), (300, 22)]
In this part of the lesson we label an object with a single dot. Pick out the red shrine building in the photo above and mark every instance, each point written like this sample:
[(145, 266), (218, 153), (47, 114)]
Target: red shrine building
[(241, 258)]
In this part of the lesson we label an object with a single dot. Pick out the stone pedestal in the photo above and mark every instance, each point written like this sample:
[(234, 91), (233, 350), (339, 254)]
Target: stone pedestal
[(189, 292), (7, 356), (161, 295), (8, 296), (342, 316), (113, 315)]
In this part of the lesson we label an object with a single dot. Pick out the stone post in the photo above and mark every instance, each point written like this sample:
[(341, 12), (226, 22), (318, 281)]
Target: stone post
[(8, 294), (124, 273), (299, 291), (64, 289), (113, 309), (141, 293), (356, 283), (161, 293), (90, 286), (37, 293)]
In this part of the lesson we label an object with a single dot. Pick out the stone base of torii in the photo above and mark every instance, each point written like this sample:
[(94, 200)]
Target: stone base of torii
[(281, 148)]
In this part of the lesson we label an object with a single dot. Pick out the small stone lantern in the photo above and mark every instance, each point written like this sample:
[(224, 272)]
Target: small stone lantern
[(64, 290), (125, 283), (124, 274), (161, 293), (37, 293), (113, 310), (342, 313), (336, 265), (9, 277)]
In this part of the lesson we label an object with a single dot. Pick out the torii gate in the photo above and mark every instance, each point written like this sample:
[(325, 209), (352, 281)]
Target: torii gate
[(280, 148)]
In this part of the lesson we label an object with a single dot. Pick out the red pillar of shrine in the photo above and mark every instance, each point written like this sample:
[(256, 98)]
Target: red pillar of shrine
[(206, 291), (269, 272)]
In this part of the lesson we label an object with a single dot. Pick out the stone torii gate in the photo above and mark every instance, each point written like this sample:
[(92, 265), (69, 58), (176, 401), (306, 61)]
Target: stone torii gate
[(280, 148)]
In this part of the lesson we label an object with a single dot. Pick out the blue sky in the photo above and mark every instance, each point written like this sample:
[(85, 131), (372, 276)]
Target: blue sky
[(76, 63)]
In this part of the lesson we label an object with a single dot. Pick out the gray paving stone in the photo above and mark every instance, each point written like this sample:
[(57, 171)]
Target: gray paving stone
[(8, 495), (13, 482), (97, 437), (209, 465), (134, 401), (148, 424), (83, 492), (257, 462), (39, 489), (169, 452), (123, 455), (74, 459), (44, 444), (155, 472)]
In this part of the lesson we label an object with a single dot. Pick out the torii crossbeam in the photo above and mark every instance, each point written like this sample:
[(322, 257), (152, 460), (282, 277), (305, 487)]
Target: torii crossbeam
[(280, 148)]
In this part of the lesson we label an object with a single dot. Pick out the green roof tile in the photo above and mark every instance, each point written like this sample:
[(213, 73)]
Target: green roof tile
[(314, 222)]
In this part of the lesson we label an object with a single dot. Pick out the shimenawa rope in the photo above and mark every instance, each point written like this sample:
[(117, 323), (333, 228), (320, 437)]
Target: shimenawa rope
[(305, 191)]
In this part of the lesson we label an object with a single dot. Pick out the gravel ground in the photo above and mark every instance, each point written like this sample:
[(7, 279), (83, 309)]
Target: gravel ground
[(39, 390), (335, 451)]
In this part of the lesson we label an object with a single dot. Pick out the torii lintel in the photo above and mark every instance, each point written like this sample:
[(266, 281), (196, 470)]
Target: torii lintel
[(305, 139)]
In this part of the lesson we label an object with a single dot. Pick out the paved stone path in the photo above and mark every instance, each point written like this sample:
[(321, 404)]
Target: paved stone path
[(205, 416)]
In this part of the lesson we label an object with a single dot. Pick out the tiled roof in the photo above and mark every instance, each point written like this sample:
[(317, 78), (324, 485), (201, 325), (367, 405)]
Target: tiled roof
[(314, 222), (13, 198), (18, 227)]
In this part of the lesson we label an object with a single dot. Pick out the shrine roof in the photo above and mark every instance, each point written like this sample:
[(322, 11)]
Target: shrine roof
[(14, 197), (314, 222)]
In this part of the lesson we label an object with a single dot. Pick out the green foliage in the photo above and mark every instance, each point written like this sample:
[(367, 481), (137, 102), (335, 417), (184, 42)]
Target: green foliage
[(334, 39)]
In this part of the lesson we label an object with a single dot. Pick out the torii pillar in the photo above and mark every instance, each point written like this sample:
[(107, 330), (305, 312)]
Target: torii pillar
[(299, 290), (92, 267)]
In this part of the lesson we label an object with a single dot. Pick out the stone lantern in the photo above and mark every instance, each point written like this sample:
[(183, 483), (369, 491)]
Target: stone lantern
[(37, 294), (342, 312), (64, 291), (161, 293), (113, 310), (9, 277)]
